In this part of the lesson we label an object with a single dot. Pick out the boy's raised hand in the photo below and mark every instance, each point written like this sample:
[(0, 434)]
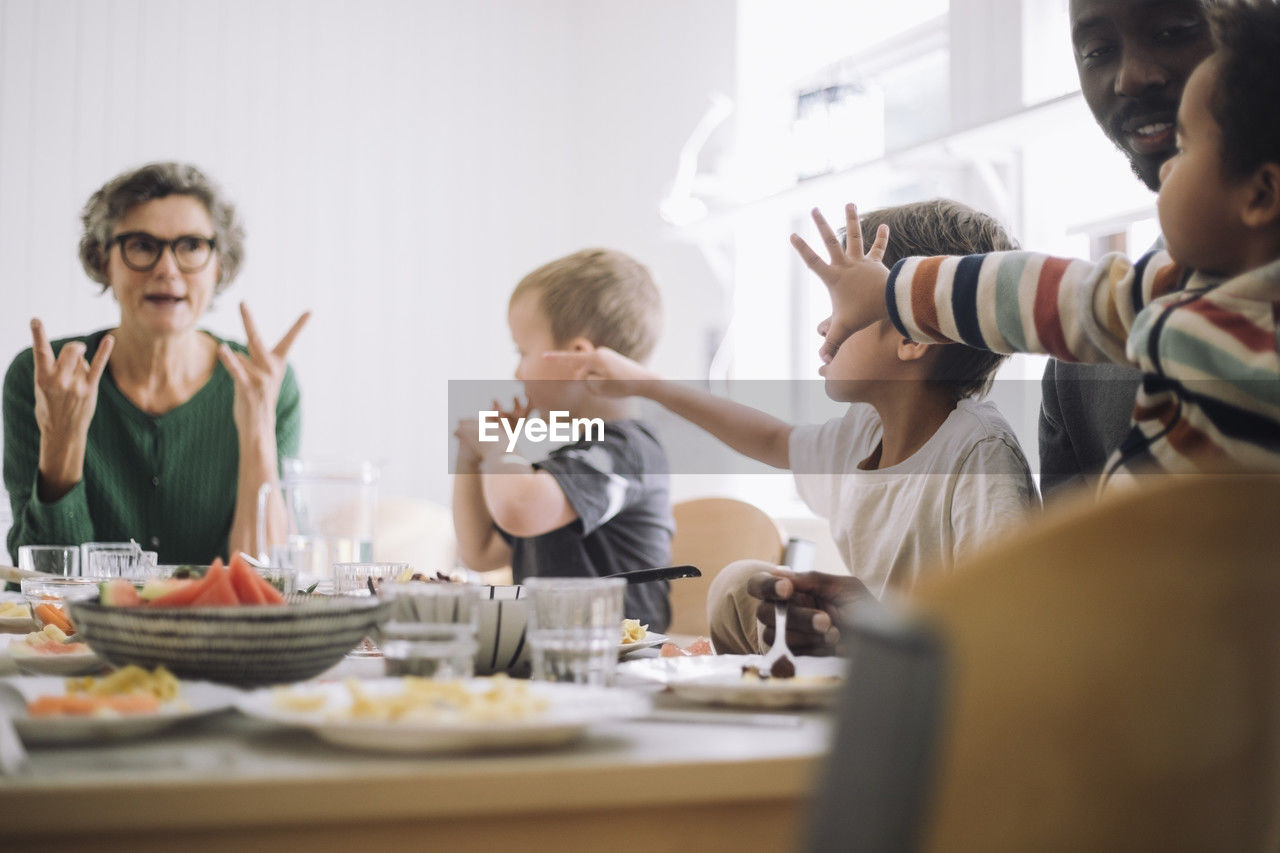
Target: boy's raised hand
[(605, 371), (855, 280)]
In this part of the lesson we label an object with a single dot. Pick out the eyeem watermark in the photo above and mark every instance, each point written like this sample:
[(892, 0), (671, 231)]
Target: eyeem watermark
[(558, 428)]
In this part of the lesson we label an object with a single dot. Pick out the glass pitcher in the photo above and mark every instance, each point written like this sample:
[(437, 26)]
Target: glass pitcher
[(329, 510)]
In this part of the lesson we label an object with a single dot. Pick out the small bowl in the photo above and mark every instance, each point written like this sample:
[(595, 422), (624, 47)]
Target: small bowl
[(245, 646), (58, 592), (504, 612)]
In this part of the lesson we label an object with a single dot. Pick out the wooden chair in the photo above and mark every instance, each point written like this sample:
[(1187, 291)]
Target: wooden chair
[(711, 533), (1107, 679)]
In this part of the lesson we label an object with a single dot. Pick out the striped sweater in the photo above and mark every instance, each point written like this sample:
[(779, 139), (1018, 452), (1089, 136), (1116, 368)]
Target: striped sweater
[(1207, 348)]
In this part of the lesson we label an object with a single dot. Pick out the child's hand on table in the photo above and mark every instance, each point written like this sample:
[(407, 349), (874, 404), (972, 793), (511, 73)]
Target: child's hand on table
[(816, 604), (855, 280), (605, 371)]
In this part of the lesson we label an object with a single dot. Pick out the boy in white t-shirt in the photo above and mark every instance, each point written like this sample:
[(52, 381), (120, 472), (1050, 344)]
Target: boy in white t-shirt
[(915, 472)]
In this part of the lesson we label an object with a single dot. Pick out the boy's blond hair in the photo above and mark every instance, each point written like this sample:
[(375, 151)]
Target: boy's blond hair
[(603, 295)]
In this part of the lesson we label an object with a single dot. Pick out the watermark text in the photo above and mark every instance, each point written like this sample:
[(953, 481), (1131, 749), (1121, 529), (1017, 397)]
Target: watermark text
[(558, 427)]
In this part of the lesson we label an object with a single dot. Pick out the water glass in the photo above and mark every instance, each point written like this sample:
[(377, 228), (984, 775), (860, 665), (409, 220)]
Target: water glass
[(123, 562), (61, 560), (364, 578), (431, 629), (573, 628)]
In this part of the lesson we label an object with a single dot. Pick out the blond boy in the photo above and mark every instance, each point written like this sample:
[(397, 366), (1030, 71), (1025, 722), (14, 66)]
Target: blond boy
[(601, 504)]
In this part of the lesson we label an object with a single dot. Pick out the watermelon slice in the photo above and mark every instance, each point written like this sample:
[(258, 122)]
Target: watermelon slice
[(119, 593), (216, 589), (179, 596), (153, 588), (244, 581)]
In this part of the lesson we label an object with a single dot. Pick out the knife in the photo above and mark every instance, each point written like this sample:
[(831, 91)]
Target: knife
[(662, 574)]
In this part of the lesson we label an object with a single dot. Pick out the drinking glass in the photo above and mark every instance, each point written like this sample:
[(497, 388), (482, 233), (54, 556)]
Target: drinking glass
[(123, 562), (573, 628), (431, 630), (355, 578), (61, 560), (361, 579)]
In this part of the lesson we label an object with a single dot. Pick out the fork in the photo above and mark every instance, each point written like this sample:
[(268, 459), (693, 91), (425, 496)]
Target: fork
[(779, 661)]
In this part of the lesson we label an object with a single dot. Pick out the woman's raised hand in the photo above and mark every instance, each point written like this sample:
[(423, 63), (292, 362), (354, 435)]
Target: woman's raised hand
[(66, 386), (257, 377)]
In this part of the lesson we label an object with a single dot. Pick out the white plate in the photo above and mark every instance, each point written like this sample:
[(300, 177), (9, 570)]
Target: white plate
[(572, 708), (197, 698), (16, 624), (34, 663), (718, 680), (650, 640)]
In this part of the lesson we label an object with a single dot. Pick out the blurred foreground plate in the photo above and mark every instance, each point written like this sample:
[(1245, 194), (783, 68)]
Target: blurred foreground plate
[(570, 709), (718, 680), (196, 699)]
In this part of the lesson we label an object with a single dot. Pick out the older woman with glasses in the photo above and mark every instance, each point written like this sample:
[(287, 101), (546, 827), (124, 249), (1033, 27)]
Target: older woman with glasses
[(156, 430)]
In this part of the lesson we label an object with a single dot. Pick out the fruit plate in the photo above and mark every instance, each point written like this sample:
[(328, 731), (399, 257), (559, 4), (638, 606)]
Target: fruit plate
[(719, 680), (80, 661), (196, 699), (558, 714)]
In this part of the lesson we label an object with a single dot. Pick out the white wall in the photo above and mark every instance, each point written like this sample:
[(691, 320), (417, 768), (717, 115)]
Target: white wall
[(398, 164)]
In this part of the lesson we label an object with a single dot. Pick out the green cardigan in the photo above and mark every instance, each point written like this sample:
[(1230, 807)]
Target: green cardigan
[(168, 482)]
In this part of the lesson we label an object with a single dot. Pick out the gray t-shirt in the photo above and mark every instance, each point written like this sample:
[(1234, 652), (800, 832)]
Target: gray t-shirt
[(620, 488)]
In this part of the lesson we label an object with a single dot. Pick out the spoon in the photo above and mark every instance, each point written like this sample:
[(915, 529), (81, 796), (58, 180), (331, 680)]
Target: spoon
[(13, 755), (779, 662)]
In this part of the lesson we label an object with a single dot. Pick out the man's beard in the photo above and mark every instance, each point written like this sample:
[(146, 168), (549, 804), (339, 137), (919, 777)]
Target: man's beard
[(1145, 166)]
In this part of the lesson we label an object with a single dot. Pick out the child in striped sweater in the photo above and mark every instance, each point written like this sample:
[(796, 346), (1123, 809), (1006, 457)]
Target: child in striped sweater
[(1199, 320)]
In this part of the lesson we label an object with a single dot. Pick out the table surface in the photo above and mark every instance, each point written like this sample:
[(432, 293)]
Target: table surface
[(229, 771)]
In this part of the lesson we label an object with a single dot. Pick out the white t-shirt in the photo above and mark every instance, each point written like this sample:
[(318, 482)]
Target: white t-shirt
[(968, 481)]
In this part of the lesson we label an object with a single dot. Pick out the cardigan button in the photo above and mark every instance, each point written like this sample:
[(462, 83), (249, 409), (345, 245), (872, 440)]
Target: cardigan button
[(155, 541), (155, 481)]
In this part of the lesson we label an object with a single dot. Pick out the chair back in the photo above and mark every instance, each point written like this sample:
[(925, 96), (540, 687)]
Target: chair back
[(1115, 677), (1107, 678), (711, 533)]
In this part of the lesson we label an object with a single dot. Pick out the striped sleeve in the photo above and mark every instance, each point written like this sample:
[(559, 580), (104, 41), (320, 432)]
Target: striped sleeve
[(1026, 302)]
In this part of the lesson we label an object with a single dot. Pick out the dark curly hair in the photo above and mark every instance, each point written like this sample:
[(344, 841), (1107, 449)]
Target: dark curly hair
[(1246, 98), (117, 196)]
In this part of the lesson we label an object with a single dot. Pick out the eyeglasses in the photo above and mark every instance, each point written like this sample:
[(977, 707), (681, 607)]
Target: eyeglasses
[(141, 251)]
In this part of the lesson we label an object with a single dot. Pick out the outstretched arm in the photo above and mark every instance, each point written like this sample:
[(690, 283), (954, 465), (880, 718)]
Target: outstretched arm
[(1073, 310), (749, 431)]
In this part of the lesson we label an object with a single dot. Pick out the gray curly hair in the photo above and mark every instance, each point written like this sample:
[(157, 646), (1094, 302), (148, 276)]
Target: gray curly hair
[(157, 180)]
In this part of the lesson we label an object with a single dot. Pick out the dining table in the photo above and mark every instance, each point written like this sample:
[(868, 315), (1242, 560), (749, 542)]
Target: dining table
[(682, 778)]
